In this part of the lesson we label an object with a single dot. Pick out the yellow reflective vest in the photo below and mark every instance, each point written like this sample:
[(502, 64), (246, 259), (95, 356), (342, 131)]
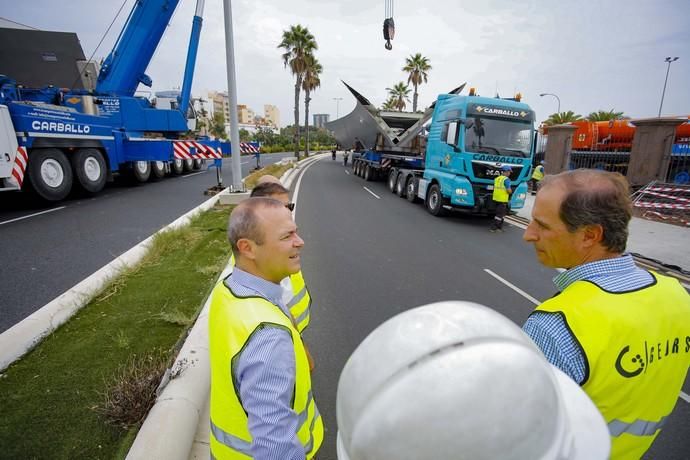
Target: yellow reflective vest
[(637, 353), (500, 194), (538, 173), (300, 304), (232, 321)]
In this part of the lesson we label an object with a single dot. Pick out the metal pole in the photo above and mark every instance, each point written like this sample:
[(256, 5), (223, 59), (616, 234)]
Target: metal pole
[(236, 185), (337, 106), (557, 98), (668, 69)]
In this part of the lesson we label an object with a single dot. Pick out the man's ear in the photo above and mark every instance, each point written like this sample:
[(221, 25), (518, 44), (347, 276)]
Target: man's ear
[(592, 235), (246, 247)]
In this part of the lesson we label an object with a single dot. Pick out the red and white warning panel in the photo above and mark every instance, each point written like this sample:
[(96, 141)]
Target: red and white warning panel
[(19, 169), (186, 150)]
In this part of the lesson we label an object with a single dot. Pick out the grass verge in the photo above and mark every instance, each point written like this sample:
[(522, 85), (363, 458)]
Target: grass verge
[(275, 169), (55, 402)]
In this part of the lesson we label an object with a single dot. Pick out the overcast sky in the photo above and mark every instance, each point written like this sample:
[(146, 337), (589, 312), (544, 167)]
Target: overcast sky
[(595, 55)]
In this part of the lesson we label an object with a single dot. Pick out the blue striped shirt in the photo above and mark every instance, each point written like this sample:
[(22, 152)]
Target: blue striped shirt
[(266, 377), (551, 333)]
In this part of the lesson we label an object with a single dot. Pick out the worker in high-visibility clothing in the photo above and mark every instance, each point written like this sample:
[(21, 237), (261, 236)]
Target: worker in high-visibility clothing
[(501, 197), (537, 176), (295, 293), (619, 331), (262, 406)]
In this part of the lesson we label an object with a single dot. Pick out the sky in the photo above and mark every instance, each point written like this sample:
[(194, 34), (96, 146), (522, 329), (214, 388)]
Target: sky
[(594, 55)]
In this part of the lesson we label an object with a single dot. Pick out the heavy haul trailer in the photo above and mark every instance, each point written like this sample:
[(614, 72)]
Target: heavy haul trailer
[(448, 156), (57, 137)]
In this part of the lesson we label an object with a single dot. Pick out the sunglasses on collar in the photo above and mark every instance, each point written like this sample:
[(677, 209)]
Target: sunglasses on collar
[(290, 206)]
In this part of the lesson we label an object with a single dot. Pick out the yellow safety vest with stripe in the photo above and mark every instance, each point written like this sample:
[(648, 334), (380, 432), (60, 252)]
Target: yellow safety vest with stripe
[(500, 193), (300, 304), (232, 321), (637, 353), (538, 173)]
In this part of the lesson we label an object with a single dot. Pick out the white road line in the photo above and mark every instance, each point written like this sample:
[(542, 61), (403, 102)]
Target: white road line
[(299, 182), (347, 172), (32, 215), (685, 397), (193, 174), (513, 287), (378, 197), (244, 162)]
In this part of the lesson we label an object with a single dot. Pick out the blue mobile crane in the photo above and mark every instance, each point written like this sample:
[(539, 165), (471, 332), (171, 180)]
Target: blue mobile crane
[(56, 137), (446, 157)]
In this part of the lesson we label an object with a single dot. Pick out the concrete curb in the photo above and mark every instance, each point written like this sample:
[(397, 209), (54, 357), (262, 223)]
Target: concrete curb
[(168, 432), (25, 335)]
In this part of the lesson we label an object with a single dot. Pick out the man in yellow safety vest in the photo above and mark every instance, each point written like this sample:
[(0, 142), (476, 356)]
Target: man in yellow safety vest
[(621, 332), (501, 197), (537, 176), (262, 404)]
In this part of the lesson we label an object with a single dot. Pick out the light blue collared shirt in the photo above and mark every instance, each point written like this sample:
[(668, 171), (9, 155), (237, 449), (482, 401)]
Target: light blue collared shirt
[(551, 333), (266, 376)]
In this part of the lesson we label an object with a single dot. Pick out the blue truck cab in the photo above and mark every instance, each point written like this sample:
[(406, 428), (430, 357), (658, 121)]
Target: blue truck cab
[(470, 138)]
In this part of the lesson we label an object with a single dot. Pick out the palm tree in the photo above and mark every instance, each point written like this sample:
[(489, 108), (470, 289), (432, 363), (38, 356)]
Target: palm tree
[(298, 43), (562, 117), (310, 82), (417, 66), (399, 94), (603, 115), (389, 104)]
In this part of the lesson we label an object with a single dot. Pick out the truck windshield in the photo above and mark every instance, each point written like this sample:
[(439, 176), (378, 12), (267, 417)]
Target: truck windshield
[(498, 137)]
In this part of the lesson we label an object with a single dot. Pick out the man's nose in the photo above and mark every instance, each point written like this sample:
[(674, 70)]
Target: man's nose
[(530, 235), (299, 242)]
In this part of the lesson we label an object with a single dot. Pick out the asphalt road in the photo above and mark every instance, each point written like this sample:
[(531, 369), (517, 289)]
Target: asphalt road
[(43, 255), (370, 257)]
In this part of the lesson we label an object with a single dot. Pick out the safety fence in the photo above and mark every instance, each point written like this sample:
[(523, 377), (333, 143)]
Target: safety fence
[(665, 202)]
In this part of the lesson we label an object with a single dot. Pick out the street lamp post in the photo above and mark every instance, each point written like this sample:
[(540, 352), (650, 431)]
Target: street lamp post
[(557, 98), (669, 59), (337, 106)]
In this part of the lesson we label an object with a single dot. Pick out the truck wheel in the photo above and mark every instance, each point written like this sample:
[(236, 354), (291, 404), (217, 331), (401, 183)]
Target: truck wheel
[(90, 169), (50, 174), (434, 201), (411, 189), (177, 166), (141, 171), (157, 170), (392, 179), (197, 164), (368, 173), (188, 164), (400, 185)]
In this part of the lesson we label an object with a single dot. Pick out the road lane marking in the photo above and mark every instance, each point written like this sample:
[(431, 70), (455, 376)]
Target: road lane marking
[(347, 172), (513, 287), (685, 397), (193, 174), (377, 197), (32, 215), (244, 162), (295, 195)]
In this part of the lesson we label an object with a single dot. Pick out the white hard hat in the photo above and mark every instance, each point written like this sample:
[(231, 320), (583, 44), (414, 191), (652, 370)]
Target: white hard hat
[(457, 380)]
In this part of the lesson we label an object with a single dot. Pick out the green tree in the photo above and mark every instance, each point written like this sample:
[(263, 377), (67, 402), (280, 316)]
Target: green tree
[(311, 81), (603, 115), (217, 128), (417, 66), (298, 43), (265, 136), (245, 136), (400, 94), (389, 105), (562, 117)]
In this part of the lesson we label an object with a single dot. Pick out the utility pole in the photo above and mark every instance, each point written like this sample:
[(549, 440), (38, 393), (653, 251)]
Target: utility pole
[(668, 69), (337, 106), (237, 185)]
